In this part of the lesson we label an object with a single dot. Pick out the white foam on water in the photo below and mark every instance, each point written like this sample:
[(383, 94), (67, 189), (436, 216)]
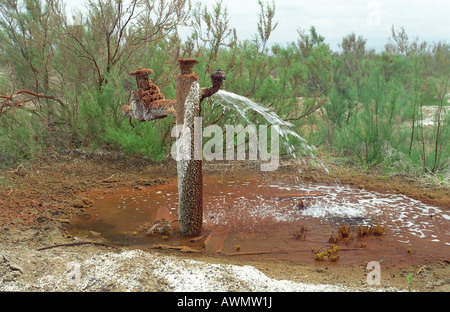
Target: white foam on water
[(399, 213), (243, 106)]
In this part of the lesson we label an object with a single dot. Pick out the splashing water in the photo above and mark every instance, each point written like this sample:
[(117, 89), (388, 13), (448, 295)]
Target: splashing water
[(243, 105)]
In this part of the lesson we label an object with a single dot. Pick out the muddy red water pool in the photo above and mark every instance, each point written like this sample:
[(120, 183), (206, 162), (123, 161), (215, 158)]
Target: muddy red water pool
[(284, 220)]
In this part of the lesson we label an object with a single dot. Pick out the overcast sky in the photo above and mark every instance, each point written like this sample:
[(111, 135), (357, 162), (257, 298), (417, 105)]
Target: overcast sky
[(334, 19)]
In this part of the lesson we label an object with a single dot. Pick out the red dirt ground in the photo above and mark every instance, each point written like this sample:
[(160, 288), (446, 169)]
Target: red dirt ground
[(57, 190)]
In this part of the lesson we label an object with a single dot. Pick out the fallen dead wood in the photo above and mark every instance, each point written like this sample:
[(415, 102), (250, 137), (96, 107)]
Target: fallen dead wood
[(184, 249), (255, 253), (77, 244)]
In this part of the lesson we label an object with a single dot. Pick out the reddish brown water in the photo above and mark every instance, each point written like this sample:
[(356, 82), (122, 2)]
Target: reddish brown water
[(253, 218)]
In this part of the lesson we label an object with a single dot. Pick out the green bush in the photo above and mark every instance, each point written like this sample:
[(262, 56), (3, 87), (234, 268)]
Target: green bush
[(363, 105)]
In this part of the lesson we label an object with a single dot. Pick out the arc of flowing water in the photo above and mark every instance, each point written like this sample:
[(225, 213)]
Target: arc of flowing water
[(243, 105)]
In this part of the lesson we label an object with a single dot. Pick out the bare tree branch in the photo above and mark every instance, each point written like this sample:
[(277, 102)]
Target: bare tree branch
[(11, 102)]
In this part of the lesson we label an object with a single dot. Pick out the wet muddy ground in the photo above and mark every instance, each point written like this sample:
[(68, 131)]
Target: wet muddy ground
[(272, 221)]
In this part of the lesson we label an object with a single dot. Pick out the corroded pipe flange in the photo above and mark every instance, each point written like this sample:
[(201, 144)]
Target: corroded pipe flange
[(147, 103)]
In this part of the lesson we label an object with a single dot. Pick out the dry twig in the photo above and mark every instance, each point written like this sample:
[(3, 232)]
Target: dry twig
[(10, 103), (77, 244)]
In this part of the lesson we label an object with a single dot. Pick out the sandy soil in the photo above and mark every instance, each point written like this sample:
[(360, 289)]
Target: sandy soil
[(37, 202)]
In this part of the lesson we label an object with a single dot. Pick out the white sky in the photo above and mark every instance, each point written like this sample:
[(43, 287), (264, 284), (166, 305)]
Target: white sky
[(334, 19)]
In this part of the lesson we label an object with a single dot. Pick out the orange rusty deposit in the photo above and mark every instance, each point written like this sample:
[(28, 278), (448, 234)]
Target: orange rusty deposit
[(282, 220)]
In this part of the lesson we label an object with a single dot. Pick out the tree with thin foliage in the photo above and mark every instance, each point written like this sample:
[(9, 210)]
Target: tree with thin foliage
[(266, 24), (113, 31), (212, 28)]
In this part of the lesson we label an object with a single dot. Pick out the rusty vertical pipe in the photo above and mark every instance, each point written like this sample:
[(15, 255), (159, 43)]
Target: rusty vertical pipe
[(190, 181), (148, 104)]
